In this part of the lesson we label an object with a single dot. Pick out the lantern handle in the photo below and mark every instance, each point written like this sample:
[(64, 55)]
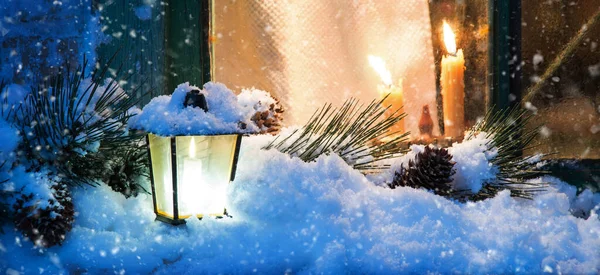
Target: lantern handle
[(195, 99)]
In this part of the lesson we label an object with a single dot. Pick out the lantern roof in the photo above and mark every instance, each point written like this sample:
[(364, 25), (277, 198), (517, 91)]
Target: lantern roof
[(167, 115)]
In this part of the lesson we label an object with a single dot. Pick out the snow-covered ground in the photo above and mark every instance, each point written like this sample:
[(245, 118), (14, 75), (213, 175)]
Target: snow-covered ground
[(321, 217)]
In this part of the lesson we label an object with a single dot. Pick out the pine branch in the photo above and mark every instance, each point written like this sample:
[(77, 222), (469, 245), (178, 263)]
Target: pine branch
[(69, 115), (508, 135), (351, 131)]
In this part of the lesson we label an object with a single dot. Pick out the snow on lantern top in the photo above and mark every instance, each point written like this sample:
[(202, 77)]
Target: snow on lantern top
[(226, 113)]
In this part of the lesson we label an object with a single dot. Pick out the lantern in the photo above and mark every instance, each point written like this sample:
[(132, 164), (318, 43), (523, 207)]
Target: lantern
[(190, 174)]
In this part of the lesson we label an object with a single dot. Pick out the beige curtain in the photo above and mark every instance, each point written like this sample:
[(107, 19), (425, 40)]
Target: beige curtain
[(311, 52)]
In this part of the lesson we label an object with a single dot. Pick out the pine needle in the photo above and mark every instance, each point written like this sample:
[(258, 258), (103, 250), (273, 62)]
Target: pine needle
[(509, 136), (353, 131), (63, 119)]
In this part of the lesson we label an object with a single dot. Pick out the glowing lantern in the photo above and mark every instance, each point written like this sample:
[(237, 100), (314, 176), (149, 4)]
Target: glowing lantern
[(190, 174)]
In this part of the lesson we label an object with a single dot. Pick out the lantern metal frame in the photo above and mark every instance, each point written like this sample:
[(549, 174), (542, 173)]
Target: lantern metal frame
[(177, 219)]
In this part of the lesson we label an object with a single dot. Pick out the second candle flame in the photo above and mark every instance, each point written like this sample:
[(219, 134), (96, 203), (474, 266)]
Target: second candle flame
[(449, 39), (379, 65)]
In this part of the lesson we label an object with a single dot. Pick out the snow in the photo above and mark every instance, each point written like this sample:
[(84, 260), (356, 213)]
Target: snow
[(38, 184), (322, 217), (9, 140), (38, 36), (255, 100), (594, 70), (166, 115), (388, 175), (288, 216), (14, 94), (473, 167), (537, 60), (472, 157)]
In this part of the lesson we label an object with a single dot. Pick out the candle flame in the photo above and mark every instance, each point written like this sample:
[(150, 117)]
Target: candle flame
[(192, 152), (379, 65), (449, 39)]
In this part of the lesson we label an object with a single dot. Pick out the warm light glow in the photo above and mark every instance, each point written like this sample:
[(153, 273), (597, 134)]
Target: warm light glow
[(192, 152), (191, 186), (203, 188), (449, 39), (379, 65), (202, 192)]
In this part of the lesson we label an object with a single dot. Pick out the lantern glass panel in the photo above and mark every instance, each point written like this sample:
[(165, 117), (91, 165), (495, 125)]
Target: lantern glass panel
[(204, 167), (313, 52), (160, 153)]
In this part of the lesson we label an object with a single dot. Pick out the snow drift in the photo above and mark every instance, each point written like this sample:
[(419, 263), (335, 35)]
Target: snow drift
[(322, 217)]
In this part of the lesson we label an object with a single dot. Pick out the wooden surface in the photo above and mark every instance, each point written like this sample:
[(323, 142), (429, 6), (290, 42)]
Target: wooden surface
[(187, 54), (140, 44)]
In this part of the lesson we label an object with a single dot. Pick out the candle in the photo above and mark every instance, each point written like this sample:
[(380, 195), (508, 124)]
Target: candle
[(202, 192), (394, 93), (191, 182), (394, 99), (453, 86)]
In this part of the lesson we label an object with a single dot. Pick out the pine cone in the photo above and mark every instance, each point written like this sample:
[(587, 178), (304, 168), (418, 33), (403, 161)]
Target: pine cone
[(46, 226), (126, 169), (269, 121), (432, 169)]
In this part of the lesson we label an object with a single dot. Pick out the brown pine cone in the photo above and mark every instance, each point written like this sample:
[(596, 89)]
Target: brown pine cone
[(432, 169), (269, 121), (45, 226)]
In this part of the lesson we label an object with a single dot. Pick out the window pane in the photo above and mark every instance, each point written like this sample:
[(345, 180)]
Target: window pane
[(312, 52), (567, 105)]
